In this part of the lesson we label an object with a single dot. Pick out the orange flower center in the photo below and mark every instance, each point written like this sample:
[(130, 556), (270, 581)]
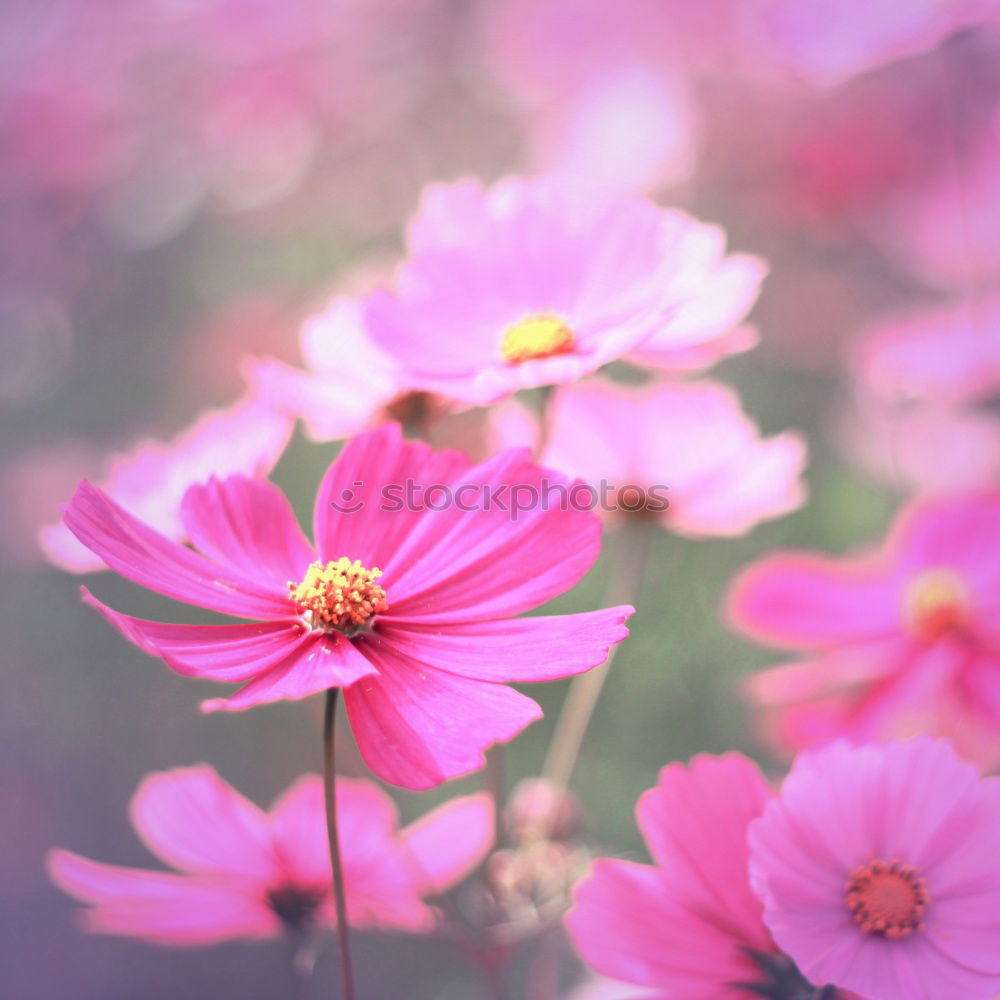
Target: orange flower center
[(341, 596), (887, 899), (540, 336), (936, 603)]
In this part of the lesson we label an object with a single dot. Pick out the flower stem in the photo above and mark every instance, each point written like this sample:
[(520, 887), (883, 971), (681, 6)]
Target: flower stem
[(339, 895), (496, 786), (627, 568)]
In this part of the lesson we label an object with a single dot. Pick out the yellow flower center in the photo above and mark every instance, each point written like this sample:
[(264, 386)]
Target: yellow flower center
[(341, 596), (887, 899), (936, 603), (540, 336)]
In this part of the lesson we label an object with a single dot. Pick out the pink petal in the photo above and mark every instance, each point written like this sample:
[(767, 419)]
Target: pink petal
[(957, 533), (451, 841), (298, 830), (626, 925), (417, 726), (163, 908), (801, 600), (318, 663), (216, 652), (695, 822), (150, 479), (515, 649), (467, 562), (248, 526), (358, 512), (193, 820), (148, 558)]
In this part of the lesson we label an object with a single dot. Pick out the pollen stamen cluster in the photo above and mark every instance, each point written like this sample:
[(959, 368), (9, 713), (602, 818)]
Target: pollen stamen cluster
[(534, 337), (887, 899), (339, 596), (937, 602)]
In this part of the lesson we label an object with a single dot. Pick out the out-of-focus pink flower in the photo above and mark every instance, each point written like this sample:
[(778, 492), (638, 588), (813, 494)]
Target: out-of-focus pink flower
[(609, 105), (350, 383), (897, 642), (949, 231), (879, 872), (690, 926), (828, 42), (529, 283), (245, 873), (684, 453), (924, 447), (950, 355), (150, 480), (406, 602), (920, 383)]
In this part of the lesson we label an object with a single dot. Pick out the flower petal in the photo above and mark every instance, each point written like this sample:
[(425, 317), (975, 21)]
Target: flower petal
[(417, 726), (318, 663), (467, 561), (196, 822), (451, 841), (800, 600), (247, 525), (517, 649), (160, 907), (367, 482), (695, 822), (626, 925), (216, 652), (146, 557)]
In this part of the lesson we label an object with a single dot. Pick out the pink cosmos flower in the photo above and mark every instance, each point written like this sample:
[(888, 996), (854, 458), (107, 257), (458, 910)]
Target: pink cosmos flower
[(150, 480), (690, 926), (406, 602), (686, 454), (879, 872), (245, 873), (350, 384), (921, 383), (546, 284), (900, 641)]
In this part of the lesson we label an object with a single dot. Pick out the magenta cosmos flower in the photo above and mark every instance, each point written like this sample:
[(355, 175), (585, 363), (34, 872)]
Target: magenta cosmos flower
[(879, 871), (245, 873), (685, 454), (690, 926), (406, 602), (529, 283), (895, 643)]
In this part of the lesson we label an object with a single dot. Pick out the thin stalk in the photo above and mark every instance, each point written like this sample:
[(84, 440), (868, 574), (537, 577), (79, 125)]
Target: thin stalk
[(339, 895), (496, 785), (627, 569)]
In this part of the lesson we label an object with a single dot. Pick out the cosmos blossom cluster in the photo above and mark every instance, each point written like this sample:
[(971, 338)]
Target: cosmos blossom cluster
[(539, 333)]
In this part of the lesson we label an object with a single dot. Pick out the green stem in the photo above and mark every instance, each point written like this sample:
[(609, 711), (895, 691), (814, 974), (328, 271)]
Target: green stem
[(626, 577), (336, 862)]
